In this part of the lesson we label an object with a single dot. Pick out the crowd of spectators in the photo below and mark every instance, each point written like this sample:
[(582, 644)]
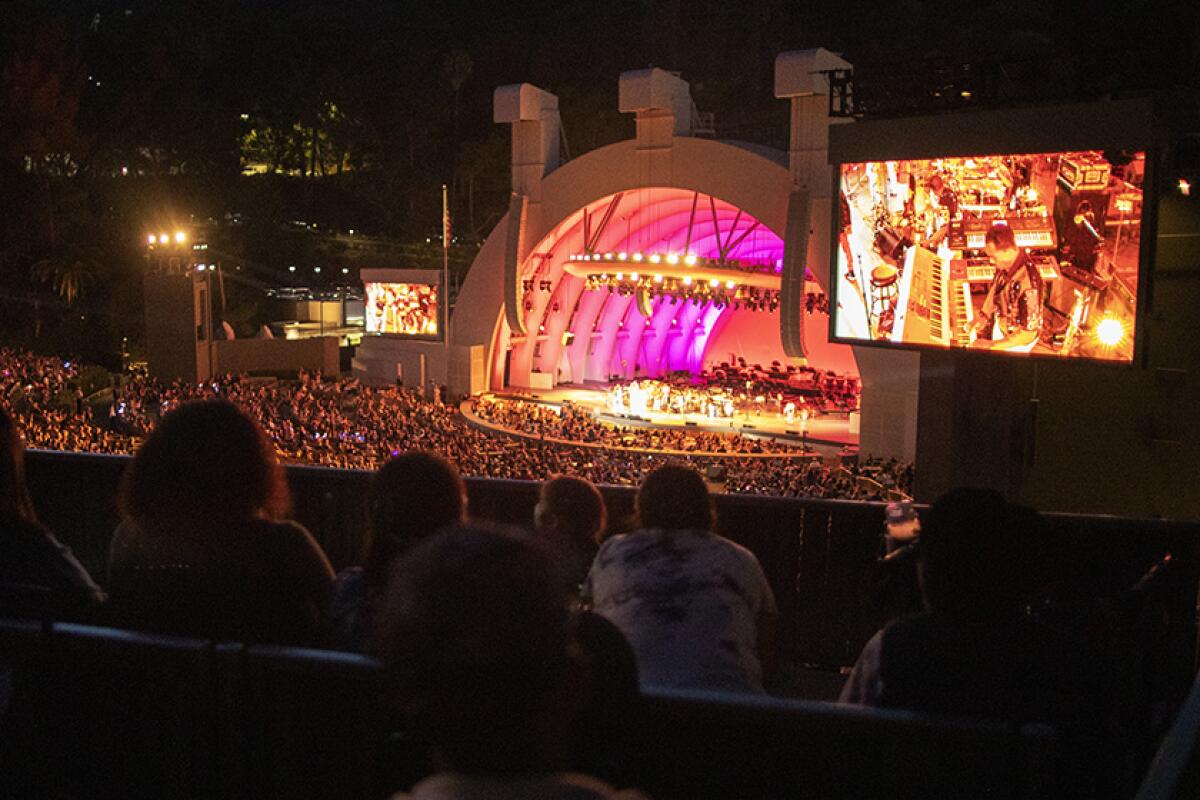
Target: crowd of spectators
[(341, 423), (46, 399)]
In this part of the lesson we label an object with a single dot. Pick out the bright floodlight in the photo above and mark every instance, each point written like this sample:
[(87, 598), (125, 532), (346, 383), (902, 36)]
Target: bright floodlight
[(672, 259), (164, 238), (687, 280), (1110, 332), (180, 237), (1185, 188), (151, 239), (690, 259)]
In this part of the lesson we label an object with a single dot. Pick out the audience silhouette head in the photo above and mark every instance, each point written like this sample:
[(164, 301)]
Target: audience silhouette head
[(573, 509), (475, 637), (674, 497), (206, 461), (971, 548), (413, 496)]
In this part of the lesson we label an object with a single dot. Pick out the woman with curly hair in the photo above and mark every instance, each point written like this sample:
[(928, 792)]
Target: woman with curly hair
[(203, 549)]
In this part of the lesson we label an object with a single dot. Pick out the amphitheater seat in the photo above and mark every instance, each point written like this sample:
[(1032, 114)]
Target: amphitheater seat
[(702, 745), (118, 714), (23, 734), (317, 725), (132, 715)]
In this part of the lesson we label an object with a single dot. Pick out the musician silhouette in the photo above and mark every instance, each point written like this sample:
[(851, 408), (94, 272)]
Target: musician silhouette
[(1011, 315)]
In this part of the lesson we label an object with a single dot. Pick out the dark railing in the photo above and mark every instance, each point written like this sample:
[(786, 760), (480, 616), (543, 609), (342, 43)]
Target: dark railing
[(820, 556)]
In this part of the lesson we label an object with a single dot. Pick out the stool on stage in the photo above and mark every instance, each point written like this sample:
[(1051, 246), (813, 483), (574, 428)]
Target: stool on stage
[(883, 290)]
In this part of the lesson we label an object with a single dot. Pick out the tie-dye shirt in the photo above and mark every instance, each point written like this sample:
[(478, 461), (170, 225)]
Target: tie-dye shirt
[(688, 602)]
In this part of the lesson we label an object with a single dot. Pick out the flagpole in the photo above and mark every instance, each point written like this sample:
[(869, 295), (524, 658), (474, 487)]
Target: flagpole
[(446, 268)]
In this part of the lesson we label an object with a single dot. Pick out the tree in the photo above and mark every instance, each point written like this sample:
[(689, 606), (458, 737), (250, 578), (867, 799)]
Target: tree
[(68, 270)]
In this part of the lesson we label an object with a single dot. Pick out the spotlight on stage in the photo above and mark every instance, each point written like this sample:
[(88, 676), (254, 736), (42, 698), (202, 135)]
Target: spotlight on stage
[(1110, 332)]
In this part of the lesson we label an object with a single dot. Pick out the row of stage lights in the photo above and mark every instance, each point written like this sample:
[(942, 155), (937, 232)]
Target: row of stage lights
[(690, 259), (672, 259), (685, 288)]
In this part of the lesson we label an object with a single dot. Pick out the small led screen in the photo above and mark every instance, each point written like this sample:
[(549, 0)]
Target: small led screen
[(1035, 253), (405, 309)]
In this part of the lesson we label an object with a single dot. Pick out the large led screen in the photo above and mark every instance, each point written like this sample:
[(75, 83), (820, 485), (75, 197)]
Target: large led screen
[(1035, 253), (406, 309)]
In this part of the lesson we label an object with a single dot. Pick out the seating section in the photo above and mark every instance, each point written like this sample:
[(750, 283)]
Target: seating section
[(99, 712)]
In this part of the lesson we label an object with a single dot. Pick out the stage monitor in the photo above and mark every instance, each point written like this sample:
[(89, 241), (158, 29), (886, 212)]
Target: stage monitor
[(1034, 253), (403, 303)]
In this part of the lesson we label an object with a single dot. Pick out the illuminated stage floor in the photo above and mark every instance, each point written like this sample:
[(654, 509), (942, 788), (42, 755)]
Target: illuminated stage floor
[(821, 430)]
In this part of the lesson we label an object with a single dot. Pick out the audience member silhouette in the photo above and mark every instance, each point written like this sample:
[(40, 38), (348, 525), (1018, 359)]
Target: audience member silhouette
[(412, 497), (696, 607), (39, 575), (975, 651), (475, 636), (201, 550), (569, 519)]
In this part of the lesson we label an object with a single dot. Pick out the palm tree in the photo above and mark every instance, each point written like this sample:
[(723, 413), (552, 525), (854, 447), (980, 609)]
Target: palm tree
[(69, 271)]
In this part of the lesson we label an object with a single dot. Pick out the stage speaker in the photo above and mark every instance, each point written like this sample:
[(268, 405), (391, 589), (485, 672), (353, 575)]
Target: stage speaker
[(689, 423), (513, 247), (748, 427), (791, 282)]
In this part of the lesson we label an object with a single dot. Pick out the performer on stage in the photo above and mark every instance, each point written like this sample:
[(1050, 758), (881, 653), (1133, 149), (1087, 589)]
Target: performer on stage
[(1011, 315)]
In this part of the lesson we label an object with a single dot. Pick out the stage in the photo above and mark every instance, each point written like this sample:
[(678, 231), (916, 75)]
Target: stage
[(822, 429)]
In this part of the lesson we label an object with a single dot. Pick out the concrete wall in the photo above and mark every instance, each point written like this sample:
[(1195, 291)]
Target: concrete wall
[(276, 355)]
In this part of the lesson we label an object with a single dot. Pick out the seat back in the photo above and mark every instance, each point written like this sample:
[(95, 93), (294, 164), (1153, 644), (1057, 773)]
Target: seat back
[(23, 734), (317, 725), (132, 715), (702, 745)]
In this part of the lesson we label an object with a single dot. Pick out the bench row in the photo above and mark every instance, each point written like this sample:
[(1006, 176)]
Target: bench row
[(100, 712)]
